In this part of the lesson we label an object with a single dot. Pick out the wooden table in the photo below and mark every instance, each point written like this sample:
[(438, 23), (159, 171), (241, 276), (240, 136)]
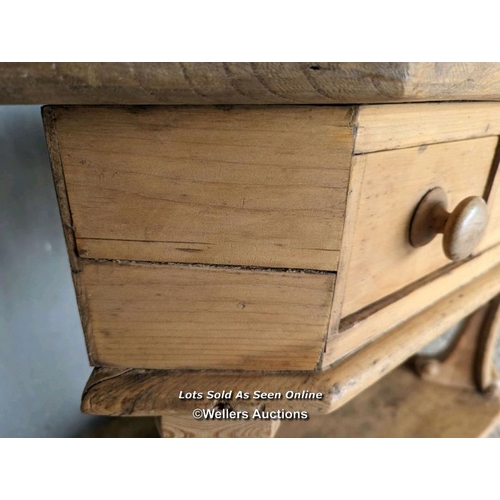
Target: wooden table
[(276, 227)]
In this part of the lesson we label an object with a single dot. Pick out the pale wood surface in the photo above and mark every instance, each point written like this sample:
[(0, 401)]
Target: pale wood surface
[(246, 83), (171, 316), (335, 120), (180, 425), (358, 329), (254, 187), (117, 392), (352, 206), (492, 234), (402, 406), (399, 126), (382, 259)]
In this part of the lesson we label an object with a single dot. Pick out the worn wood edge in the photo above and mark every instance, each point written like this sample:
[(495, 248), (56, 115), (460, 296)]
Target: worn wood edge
[(433, 81), (152, 392), (246, 82), (198, 83), (97, 249), (145, 263), (365, 325), (49, 117), (351, 204), (353, 195), (384, 127)]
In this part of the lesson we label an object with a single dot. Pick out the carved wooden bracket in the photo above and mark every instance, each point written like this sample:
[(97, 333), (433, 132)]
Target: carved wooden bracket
[(469, 360)]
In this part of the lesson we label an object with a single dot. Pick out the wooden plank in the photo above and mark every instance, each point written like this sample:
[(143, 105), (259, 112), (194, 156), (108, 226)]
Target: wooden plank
[(387, 127), (253, 187), (183, 425), (117, 392), (358, 329), (67, 224), (460, 81), (382, 259), (352, 206), (402, 406), (246, 83), (167, 316)]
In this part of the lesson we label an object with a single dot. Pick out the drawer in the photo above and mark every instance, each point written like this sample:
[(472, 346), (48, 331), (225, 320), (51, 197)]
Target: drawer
[(173, 316), (271, 238), (248, 187), (382, 260)]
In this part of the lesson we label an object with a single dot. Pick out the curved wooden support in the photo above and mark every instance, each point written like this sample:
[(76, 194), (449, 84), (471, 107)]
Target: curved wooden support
[(468, 361), (487, 376)]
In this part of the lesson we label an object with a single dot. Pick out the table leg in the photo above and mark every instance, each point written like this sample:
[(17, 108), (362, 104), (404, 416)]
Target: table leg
[(175, 425)]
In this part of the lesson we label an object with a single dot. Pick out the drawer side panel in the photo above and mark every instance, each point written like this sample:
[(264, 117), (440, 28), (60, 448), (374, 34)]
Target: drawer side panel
[(261, 187), (170, 316)]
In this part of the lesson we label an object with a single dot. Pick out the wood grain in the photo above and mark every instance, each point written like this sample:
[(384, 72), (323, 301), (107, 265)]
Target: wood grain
[(382, 259), (183, 425), (67, 225), (352, 206), (246, 83), (438, 81), (117, 392), (387, 127), (358, 329), (492, 197), (253, 187), (402, 406), (167, 316)]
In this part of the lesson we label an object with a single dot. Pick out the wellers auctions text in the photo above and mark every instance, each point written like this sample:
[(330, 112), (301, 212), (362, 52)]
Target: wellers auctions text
[(257, 414)]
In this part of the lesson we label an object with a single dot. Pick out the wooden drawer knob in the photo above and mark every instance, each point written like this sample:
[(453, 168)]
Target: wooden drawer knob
[(462, 229)]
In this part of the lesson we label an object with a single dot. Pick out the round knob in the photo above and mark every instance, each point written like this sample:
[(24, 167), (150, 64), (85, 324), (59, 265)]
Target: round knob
[(462, 229)]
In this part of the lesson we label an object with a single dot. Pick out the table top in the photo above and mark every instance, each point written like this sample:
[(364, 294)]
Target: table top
[(220, 83)]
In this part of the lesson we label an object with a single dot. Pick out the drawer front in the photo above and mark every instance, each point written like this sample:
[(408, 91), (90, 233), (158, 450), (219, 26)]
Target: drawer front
[(492, 236), (171, 316), (382, 259), (250, 187)]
